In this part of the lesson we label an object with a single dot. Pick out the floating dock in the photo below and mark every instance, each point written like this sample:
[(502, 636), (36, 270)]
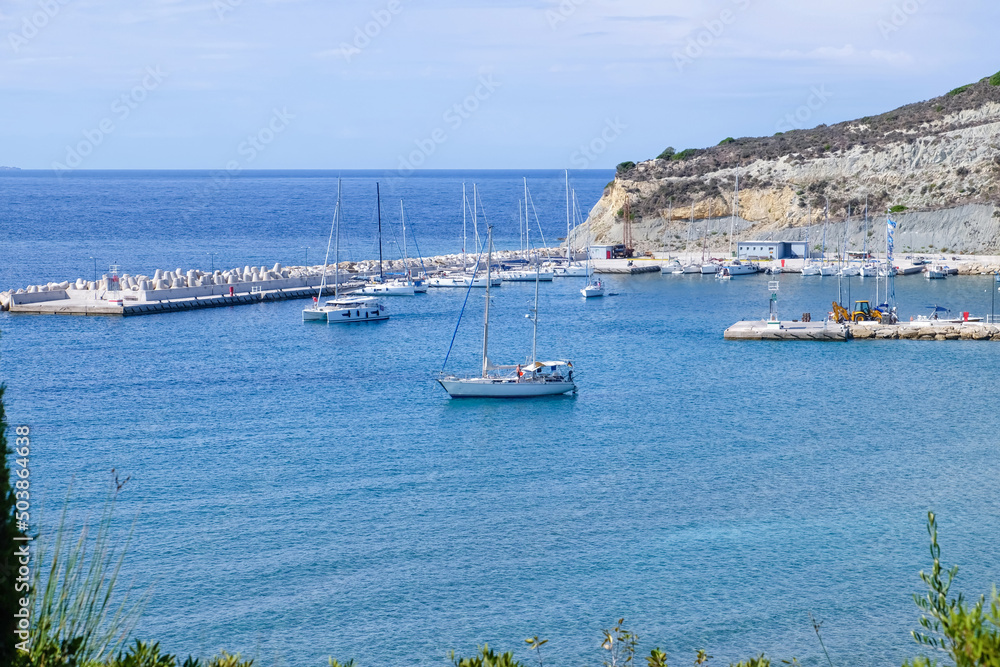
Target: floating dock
[(832, 331)]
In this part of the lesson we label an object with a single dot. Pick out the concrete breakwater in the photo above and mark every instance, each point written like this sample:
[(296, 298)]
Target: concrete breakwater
[(832, 331), (134, 294)]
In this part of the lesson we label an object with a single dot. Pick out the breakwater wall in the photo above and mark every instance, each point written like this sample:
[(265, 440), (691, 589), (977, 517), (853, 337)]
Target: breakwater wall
[(197, 288)]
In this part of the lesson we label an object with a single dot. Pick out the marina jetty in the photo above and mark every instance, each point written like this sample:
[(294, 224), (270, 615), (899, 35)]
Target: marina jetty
[(833, 331), (179, 289)]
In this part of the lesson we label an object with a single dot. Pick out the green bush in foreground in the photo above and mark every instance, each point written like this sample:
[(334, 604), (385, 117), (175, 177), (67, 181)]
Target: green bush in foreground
[(970, 636)]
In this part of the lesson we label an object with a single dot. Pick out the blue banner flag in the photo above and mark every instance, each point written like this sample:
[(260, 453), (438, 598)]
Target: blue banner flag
[(889, 241)]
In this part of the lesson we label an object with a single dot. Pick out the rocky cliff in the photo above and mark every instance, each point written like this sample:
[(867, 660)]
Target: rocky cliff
[(935, 163)]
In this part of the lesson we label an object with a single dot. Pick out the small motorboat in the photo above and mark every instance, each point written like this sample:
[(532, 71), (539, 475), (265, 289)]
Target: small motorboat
[(724, 274), (935, 272)]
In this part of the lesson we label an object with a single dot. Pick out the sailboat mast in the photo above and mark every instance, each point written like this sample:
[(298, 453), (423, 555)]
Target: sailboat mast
[(326, 260), (567, 219), (336, 266), (732, 220), (486, 315), (520, 229), (402, 218), (826, 220), (465, 236), (534, 336), (527, 225), (378, 207), (475, 216)]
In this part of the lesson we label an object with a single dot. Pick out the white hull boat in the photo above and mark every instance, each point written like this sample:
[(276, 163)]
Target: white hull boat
[(593, 289), (828, 270), (724, 274), (463, 280), (314, 313), (810, 270), (571, 271), (353, 309), (673, 266), (709, 269), (507, 387), (538, 378), (936, 272), (869, 271), (389, 289), (850, 271), (526, 276), (692, 268), (738, 268)]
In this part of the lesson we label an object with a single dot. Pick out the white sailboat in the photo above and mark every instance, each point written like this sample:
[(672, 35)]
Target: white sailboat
[(571, 268), (342, 309), (809, 267), (827, 269), (463, 278), (537, 378), (593, 287), (735, 267), (380, 286)]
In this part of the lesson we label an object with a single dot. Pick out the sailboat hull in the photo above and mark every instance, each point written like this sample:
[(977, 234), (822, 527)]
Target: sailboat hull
[(388, 289), (571, 271), (526, 276), (314, 315), (504, 388)]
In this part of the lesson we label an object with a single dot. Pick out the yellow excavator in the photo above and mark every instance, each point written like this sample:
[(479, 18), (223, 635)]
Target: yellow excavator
[(862, 312)]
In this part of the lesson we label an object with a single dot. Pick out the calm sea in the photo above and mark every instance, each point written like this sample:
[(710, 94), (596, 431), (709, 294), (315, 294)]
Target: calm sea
[(305, 491)]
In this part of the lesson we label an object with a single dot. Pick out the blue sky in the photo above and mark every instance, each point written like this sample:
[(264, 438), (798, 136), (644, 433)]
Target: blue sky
[(282, 84)]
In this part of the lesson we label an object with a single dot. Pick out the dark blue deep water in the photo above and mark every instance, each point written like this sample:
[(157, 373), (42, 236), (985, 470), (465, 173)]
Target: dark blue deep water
[(305, 491)]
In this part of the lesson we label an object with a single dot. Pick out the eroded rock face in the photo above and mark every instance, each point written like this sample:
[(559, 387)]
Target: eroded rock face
[(940, 159)]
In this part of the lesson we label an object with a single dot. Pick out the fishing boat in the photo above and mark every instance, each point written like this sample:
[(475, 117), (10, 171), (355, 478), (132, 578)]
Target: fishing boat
[(378, 285), (936, 271), (533, 379)]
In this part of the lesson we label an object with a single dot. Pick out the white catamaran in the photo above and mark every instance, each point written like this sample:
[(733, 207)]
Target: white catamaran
[(537, 378)]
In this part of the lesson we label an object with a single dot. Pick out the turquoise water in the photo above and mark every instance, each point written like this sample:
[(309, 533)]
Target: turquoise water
[(305, 491)]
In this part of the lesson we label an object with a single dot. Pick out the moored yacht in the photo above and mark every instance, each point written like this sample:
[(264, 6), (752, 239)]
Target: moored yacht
[(536, 378)]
